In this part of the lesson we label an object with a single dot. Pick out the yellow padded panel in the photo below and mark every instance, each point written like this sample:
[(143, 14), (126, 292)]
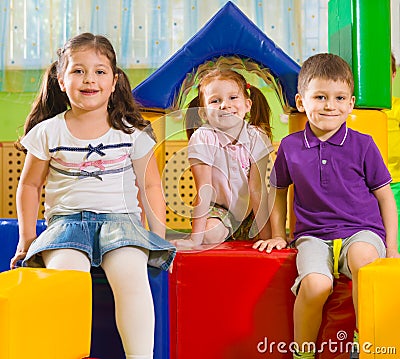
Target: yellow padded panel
[(45, 314), (379, 315), (157, 120), (371, 122)]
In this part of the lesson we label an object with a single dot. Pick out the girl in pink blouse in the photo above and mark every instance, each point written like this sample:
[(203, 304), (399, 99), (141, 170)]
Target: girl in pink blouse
[(228, 152)]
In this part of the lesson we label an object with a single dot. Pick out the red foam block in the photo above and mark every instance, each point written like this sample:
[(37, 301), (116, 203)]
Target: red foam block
[(233, 302), (225, 301)]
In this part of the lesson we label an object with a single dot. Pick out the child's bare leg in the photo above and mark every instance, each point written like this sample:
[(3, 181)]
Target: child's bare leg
[(215, 232), (314, 290), (359, 255)]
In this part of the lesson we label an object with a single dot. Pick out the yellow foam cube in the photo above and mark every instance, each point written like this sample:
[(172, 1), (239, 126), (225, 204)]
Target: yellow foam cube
[(45, 314), (379, 314)]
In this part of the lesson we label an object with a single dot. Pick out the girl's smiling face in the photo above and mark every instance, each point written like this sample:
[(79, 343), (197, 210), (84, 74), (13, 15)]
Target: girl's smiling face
[(327, 104), (226, 105), (88, 80)]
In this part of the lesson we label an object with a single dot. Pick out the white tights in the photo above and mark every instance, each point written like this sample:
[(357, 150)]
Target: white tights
[(126, 271)]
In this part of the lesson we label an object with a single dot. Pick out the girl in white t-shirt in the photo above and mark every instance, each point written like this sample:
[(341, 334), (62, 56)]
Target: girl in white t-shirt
[(86, 139), (229, 134)]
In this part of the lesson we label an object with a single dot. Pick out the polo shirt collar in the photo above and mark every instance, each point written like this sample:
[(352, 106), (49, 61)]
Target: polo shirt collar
[(225, 140), (310, 140)]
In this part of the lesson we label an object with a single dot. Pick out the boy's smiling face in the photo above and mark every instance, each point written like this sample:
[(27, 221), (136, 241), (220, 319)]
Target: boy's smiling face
[(327, 104)]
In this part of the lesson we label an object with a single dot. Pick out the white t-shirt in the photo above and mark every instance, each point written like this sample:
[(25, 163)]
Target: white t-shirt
[(230, 163), (87, 175)]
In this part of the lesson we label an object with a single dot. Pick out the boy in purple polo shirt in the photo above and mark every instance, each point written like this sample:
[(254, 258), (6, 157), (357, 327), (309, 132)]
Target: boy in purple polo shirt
[(342, 197)]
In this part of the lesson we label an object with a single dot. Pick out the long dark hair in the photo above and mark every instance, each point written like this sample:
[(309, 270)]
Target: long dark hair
[(123, 111)]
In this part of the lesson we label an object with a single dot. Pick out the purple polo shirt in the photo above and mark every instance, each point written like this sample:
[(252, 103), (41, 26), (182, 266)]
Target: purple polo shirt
[(333, 182)]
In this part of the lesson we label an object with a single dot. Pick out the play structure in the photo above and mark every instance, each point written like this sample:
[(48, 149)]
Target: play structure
[(230, 302)]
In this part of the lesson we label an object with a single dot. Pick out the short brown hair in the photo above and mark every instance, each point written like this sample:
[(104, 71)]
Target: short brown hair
[(325, 66)]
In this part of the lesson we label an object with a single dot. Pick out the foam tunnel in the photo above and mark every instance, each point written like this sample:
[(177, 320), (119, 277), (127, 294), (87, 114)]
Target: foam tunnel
[(245, 40)]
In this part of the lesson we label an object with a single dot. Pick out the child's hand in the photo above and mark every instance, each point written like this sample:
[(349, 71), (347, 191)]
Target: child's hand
[(19, 255), (269, 244), (171, 268), (392, 253), (184, 244)]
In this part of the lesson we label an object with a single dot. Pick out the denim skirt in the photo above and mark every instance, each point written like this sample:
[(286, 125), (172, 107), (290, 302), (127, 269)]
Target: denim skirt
[(98, 233)]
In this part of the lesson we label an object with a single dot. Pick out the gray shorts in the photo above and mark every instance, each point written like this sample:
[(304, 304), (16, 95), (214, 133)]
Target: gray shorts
[(316, 255)]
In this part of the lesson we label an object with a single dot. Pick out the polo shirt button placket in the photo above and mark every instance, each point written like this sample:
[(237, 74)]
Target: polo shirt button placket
[(323, 172)]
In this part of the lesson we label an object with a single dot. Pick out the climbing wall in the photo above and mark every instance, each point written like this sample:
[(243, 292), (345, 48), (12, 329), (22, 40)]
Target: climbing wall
[(11, 162), (179, 188)]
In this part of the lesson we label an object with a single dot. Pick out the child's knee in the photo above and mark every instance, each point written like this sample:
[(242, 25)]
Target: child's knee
[(360, 254), (215, 232), (315, 286)]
